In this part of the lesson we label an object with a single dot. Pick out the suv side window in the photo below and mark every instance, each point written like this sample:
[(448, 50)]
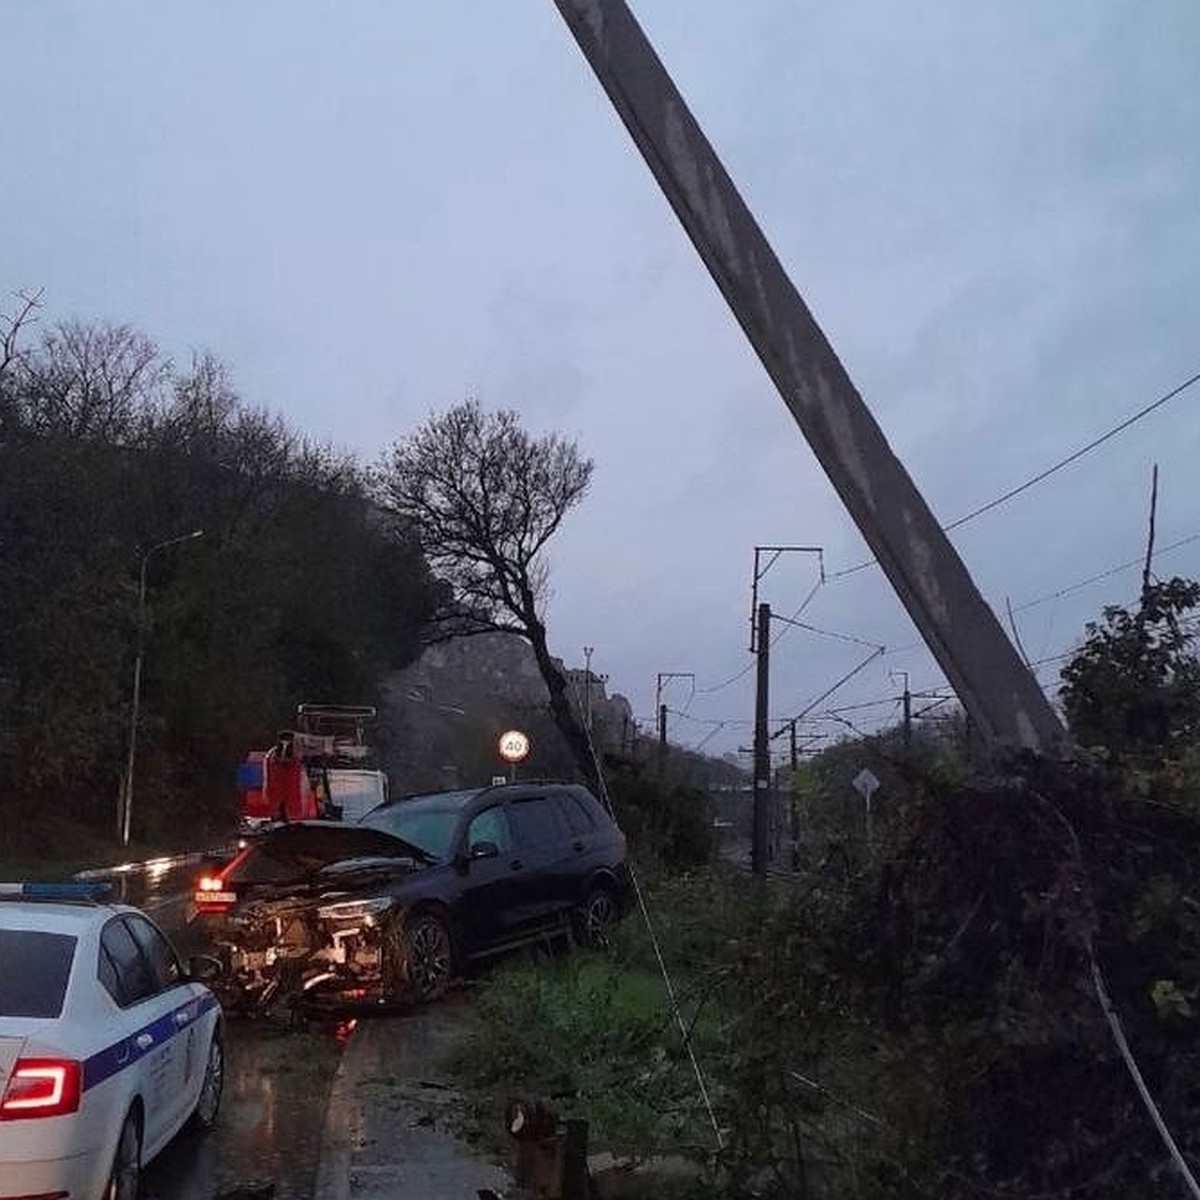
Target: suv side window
[(489, 826), (123, 968), (578, 817), (164, 964), (536, 822)]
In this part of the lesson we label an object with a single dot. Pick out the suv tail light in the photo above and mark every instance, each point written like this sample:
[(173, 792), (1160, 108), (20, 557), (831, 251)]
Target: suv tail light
[(41, 1087)]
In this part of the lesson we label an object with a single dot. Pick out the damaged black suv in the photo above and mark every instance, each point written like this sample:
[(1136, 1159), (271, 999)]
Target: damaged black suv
[(390, 908)]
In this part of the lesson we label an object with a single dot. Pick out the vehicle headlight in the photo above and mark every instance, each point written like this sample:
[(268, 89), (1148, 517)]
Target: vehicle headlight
[(355, 910)]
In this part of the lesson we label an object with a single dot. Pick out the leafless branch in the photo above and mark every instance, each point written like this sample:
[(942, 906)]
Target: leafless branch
[(12, 325)]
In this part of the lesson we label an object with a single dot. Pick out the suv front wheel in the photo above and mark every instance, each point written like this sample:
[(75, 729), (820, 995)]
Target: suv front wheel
[(430, 955)]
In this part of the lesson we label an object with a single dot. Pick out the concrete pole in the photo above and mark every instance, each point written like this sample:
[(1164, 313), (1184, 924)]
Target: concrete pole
[(929, 578)]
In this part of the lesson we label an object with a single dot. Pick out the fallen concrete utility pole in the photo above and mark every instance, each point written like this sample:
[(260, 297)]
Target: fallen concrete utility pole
[(961, 631)]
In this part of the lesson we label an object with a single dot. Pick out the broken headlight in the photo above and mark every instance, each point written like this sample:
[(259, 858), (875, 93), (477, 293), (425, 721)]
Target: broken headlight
[(355, 910)]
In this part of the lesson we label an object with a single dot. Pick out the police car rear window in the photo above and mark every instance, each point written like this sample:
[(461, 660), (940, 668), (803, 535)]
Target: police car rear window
[(39, 987)]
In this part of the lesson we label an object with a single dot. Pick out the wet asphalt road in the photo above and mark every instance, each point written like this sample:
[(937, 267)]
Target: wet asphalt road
[(338, 1111), (276, 1088), (276, 1084)]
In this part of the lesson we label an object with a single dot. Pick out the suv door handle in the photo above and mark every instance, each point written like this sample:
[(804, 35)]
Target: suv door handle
[(577, 847), (516, 865)]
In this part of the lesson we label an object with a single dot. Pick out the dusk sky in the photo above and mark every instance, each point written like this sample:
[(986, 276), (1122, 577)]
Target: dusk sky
[(370, 211)]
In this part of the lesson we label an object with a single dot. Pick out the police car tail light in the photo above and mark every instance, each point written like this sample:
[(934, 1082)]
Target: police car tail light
[(41, 1087)]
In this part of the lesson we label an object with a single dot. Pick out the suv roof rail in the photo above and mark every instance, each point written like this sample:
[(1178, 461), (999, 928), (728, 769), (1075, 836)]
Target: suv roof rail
[(533, 783), (479, 789)]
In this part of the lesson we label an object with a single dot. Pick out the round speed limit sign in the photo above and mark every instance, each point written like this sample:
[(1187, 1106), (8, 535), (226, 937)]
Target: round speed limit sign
[(513, 746)]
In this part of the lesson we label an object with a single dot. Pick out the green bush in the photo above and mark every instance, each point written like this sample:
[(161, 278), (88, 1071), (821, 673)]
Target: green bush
[(918, 1021), (663, 818), (593, 1037)]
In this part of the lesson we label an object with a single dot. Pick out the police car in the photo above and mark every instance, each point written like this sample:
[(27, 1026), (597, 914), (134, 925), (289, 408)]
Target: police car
[(108, 1044)]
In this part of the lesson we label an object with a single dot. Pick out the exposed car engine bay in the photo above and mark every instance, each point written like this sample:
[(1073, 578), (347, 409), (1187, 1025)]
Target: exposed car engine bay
[(285, 951)]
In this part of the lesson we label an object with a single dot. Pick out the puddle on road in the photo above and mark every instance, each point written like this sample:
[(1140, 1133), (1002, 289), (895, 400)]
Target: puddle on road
[(276, 1089)]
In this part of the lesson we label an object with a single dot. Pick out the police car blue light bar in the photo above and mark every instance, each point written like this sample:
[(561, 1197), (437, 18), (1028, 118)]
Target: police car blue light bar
[(65, 890)]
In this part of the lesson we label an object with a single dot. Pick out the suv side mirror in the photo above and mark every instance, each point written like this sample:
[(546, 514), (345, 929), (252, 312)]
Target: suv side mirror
[(484, 850)]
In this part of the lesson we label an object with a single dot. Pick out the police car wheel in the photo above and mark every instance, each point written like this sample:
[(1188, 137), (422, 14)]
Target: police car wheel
[(125, 1179), (208, 1103)]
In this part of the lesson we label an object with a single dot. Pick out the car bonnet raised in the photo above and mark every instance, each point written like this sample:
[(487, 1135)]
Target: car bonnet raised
[(303, 848)]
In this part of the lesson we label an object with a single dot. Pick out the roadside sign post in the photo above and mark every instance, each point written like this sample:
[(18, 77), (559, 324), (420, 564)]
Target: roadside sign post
[(513, 747), (865, 784)]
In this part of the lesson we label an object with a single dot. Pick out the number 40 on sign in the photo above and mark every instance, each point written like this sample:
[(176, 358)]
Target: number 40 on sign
[(513, 746)]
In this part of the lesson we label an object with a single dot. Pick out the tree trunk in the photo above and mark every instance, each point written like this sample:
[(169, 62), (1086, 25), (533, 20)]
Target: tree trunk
[(560, 706)]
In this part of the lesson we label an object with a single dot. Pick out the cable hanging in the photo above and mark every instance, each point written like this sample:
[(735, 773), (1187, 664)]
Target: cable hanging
[(774, 642), (1074, 456), (672, 997)]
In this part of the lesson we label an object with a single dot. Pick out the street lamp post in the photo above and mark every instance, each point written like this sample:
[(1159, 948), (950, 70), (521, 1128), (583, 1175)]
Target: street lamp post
[(127, 805)]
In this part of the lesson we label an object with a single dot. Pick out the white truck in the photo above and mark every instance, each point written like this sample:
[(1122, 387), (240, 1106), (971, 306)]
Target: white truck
[(354, 791)]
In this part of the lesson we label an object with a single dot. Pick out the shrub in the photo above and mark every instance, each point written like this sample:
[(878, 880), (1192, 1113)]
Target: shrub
[(664, 818)]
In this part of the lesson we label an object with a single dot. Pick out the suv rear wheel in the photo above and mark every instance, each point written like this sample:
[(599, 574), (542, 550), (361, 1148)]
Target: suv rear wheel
[(594, 916)]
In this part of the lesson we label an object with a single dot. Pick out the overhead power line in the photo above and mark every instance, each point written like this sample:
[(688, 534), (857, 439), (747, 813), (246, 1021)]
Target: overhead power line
[(1073, 587), (1074, 456), (774, 642), (876, 653), (1125, 566), (1078, 454), (829, 633), (708, 737)]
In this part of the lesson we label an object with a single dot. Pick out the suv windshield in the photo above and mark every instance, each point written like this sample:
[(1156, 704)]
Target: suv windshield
[(425, 821), (40, 986)]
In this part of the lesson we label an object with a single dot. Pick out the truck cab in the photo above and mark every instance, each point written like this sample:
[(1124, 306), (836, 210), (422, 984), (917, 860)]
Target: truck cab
[(322, 768)]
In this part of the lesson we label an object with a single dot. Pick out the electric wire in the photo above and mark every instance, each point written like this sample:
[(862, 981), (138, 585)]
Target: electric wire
[(708, 737), (829, 633), (672, 997), (1074, 456), (876, 653), (1125, 566), (1072, 587), (791, 622), (773, 643)]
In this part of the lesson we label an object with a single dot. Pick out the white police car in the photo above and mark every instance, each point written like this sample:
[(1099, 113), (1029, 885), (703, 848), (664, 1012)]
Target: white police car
[(108, 1046)]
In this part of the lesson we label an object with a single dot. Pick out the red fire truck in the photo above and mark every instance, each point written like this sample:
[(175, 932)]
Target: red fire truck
[(323, 767)]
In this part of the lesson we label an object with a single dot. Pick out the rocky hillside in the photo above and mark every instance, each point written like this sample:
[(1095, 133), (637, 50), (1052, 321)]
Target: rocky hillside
[(445, 712)]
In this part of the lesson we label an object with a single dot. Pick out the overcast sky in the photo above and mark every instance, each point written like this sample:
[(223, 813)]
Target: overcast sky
[(372, 210)]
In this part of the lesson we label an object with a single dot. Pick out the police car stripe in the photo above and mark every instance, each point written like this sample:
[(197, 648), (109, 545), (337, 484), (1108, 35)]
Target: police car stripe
[(124, 1053)]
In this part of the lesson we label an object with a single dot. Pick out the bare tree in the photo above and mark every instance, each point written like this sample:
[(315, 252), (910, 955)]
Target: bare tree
[(92, 381), (483, 497), (11, 325)]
